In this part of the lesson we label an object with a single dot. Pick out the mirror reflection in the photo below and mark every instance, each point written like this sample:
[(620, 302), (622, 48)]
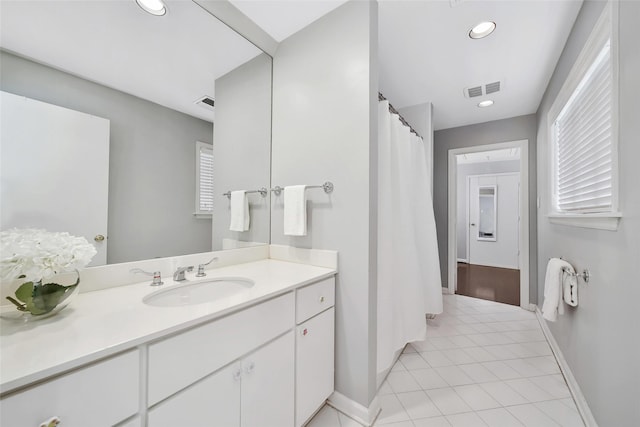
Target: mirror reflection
[(487, 213), (127, 128)]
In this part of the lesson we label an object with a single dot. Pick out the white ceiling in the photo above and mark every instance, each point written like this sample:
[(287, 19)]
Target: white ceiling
[(426, 54), (282, 18), (171, 60), (489, 156)]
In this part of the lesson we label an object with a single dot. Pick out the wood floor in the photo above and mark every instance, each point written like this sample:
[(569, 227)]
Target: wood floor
[(490, 283)]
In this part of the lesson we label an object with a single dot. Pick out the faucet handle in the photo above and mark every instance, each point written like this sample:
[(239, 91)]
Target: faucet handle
[(201, 272), (157, 278)]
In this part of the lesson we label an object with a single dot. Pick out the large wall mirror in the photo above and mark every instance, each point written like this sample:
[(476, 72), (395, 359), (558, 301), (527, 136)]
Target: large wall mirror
[(117, 123)]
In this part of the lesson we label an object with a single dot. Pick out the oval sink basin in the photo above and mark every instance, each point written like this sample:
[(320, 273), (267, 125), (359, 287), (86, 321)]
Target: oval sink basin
[(198, 292)]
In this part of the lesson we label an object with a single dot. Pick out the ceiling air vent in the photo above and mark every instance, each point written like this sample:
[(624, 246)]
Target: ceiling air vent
[(483, 89), (206, 102), (472, 92), (492, 87)]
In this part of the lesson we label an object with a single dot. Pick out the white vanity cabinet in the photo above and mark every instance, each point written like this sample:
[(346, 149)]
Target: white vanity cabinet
[(256, 391), (266, 364), (233, 371), (314, 347), (101, 394), (215, 400)]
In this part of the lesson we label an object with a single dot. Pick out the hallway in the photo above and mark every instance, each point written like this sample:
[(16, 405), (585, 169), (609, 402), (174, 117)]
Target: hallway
[(489, 283), (483, 364)]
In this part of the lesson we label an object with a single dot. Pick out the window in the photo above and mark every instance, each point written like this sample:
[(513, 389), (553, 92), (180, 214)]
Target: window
[(204, 178), (583, 136)]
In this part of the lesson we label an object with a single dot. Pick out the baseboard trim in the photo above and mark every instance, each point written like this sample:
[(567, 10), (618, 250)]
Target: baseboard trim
[(363, 415), (574, 388)]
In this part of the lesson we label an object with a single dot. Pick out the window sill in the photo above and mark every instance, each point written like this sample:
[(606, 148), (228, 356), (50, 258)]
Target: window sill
[(203, 215), (602, 221)]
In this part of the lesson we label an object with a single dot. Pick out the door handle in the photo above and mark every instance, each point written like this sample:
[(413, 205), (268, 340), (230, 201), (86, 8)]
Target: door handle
[(99, 238)]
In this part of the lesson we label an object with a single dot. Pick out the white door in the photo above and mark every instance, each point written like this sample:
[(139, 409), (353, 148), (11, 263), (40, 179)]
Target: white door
[(267, 385), (494, 220), (54, 170), (314, 364), (214, 401)]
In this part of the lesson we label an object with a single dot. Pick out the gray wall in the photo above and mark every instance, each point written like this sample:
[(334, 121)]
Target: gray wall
[(151, 161), (242, 148), (325, 129), (513, 129), (464, 171), (600, 339)]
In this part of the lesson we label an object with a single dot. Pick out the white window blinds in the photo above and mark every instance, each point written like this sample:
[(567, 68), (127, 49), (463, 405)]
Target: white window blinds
[(204, 178), (583, 143)]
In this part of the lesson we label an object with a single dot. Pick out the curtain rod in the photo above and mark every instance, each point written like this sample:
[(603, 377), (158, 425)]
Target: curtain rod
[(394, 111)]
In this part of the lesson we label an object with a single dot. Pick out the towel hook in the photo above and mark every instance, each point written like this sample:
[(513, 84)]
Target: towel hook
[(585, 275)]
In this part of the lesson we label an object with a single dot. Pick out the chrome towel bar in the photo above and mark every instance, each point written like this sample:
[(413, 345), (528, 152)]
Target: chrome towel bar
[(327, 187), (263, 192)]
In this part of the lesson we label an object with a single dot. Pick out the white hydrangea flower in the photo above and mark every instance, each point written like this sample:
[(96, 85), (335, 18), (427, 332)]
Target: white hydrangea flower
[(37, 253)]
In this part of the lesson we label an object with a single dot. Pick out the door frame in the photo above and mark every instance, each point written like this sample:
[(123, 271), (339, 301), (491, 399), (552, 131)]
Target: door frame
[(523, 241)]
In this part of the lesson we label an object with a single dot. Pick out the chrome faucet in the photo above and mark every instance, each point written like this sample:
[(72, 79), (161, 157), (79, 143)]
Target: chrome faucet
[(157, 278), (178, 276), (201, 267)]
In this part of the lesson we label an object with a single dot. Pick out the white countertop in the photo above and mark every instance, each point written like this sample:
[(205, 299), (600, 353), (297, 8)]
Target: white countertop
[(101, 323)]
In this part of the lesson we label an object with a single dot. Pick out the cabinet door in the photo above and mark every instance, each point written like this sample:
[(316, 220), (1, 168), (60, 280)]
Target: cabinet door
[(314, 364), (267, 385), (99, 395), (213, 401)]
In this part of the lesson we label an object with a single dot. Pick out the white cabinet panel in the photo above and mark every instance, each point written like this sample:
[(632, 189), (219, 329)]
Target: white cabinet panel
[(314, 298), (267, 385), (202, 350), (214, 401), (101, 394), (314, 364)]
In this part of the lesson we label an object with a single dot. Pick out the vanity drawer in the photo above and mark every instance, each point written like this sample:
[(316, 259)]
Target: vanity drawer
[(314, 299), (101, 394), (176, 362)]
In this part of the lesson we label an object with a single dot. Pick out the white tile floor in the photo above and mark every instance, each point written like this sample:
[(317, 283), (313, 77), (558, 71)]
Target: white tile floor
[(483, 364)]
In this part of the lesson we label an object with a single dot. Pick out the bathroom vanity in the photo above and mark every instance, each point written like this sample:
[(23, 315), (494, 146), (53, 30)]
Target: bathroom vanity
[(263, 356)]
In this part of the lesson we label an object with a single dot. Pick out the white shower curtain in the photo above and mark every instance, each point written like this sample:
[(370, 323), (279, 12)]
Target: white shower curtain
[(409, 283)]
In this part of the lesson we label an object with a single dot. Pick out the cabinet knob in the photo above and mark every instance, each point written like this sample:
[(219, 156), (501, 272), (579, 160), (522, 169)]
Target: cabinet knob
[(249, 369), (99, 238), (321, 299), (304, 332), (51, 422)]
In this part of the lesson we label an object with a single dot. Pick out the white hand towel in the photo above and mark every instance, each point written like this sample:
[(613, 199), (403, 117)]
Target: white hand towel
[(553, 289), (295, 210), (240, 218)]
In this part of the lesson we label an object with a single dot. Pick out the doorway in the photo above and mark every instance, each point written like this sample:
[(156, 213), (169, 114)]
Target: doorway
[(488, 222)]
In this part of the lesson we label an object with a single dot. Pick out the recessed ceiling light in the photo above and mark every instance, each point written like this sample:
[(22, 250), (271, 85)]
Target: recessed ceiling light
[(154, 7), (482, 30), (487, 103)]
